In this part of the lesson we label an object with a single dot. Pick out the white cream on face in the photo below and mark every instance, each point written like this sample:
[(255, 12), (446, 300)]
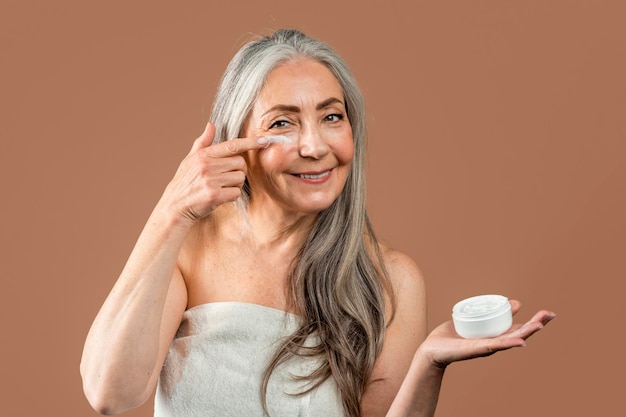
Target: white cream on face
[(278, 139)]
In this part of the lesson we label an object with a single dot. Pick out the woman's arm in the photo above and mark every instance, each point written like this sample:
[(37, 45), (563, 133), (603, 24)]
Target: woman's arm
[(129, 339), (408, 374), (419, 392)]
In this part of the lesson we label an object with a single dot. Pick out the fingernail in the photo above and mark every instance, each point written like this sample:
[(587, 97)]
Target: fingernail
[(263, 141)]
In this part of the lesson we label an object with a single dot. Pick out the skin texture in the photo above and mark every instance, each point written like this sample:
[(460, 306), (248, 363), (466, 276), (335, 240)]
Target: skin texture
[(191, 252)]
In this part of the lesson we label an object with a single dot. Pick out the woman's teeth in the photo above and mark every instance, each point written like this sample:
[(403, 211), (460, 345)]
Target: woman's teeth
[(311, 176)]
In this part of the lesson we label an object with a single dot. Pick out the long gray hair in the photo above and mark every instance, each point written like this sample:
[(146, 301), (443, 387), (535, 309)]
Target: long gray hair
[(337, 282)]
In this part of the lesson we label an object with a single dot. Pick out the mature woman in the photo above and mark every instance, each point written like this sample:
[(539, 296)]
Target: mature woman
[(257, 285)]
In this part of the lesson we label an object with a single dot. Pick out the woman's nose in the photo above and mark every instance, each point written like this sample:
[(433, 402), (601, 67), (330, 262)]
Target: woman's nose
[(312, 144)]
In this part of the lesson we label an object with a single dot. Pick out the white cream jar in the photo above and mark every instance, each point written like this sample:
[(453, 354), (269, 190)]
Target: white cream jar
[(482, 316)]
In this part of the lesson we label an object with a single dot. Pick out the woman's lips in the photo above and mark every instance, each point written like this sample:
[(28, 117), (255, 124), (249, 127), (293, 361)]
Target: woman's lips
[(314, 177)]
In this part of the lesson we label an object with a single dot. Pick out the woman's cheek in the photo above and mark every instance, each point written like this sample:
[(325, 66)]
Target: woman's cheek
[(274, 158), (343, 145)]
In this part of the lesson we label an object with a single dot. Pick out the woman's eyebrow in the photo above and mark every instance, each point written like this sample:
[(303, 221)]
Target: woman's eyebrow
[(295, 109), (328, 102), (283, 107)]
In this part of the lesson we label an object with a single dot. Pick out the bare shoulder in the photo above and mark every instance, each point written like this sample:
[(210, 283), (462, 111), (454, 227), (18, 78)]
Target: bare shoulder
[(409, 295), (404, 273)]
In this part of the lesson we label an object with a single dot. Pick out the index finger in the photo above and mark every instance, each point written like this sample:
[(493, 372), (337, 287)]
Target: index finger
[(238, 146)]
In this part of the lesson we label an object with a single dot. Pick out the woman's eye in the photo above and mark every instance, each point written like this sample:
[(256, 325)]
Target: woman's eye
[(334, 117), (279, 124)]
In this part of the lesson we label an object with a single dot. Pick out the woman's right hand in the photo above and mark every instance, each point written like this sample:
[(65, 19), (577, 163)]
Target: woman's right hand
[(129, 339), (210, 175)]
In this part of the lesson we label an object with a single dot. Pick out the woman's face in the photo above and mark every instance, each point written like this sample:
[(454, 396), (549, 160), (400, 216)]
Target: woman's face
[(303, 101)]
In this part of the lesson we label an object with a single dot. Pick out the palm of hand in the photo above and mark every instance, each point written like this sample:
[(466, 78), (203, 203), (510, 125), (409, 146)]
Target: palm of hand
[(444, 346)]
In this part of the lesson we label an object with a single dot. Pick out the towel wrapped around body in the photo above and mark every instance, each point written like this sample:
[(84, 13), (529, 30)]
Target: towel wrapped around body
[(216, 362)]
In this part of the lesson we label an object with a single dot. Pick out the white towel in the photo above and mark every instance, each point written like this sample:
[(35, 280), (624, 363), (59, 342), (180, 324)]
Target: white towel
[(216, 362)]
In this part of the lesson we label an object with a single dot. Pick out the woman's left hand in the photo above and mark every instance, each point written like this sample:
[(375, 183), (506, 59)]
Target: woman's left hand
[(444, 346)]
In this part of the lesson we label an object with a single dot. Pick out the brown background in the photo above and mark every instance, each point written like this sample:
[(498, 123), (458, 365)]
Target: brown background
[(497, 160)]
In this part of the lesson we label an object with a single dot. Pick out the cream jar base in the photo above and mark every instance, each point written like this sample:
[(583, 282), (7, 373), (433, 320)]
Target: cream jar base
[(482, 316)]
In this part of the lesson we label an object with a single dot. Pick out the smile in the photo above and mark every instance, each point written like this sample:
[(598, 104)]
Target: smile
[(314, 176)]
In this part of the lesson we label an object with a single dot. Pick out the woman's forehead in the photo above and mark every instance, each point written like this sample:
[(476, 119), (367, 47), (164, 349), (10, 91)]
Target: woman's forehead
[(300, 79)]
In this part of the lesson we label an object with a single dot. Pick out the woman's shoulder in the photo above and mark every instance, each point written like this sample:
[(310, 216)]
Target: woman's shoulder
[(404, 273), (407, 290)]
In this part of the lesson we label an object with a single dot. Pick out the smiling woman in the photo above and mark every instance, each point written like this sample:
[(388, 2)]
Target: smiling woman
[(303, 100), (285, 303)]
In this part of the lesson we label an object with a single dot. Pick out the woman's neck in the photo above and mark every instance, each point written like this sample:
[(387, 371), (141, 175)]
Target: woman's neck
[(275, 226), (263, 227)]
